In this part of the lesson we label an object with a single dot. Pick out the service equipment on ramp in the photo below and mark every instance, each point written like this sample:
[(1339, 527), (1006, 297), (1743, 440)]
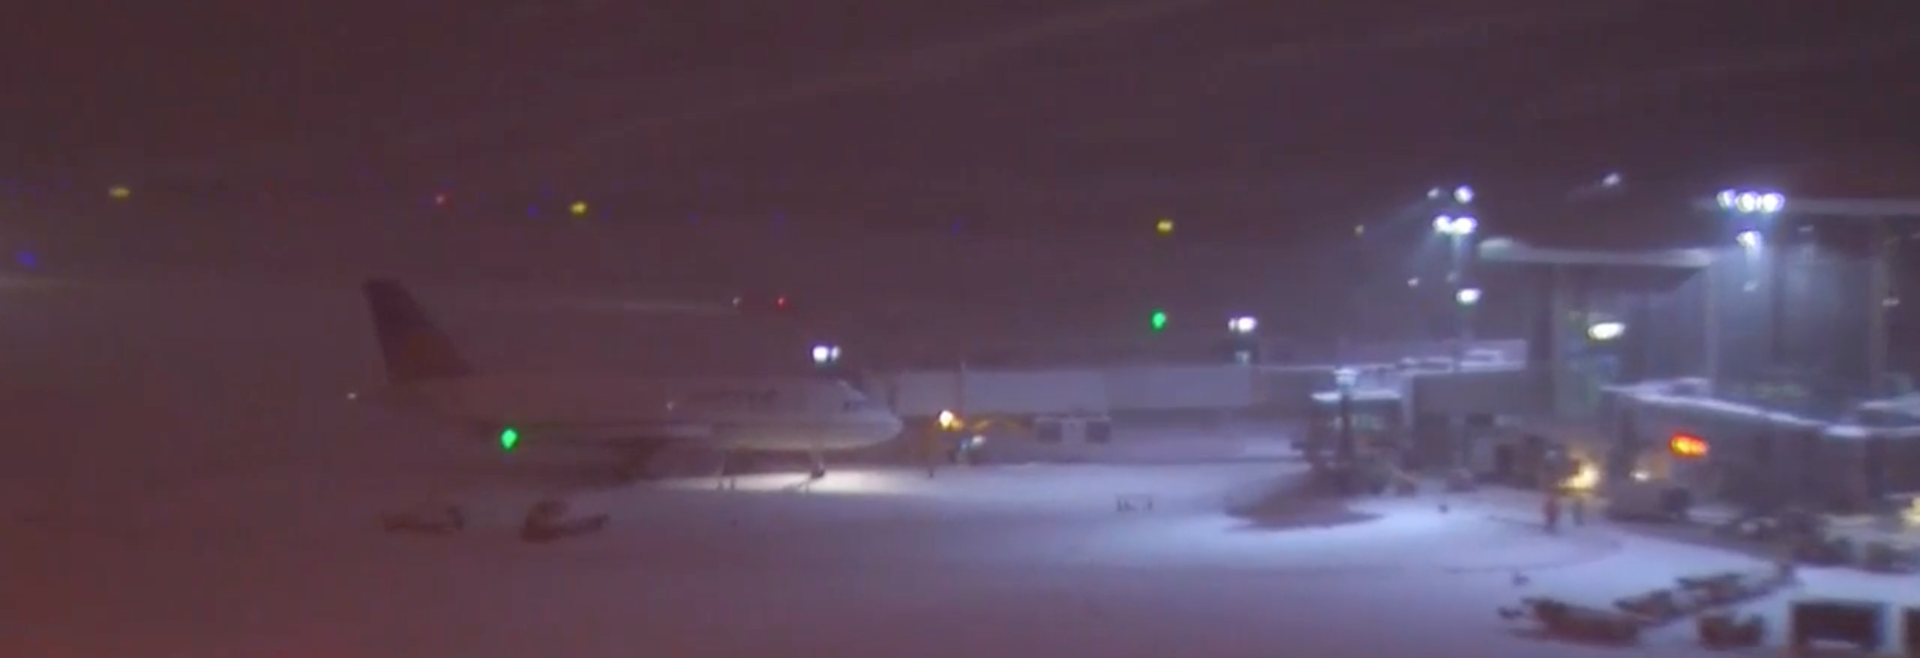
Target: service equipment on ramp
[(1726, 630), (1910, 632), (1579, 622), (1883, 556), (548, 521), (1855, 622), (433, 519), (1133, 503), (1659, 606)]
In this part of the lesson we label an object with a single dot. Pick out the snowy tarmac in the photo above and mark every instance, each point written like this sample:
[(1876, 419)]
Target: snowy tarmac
[(1005, 561)]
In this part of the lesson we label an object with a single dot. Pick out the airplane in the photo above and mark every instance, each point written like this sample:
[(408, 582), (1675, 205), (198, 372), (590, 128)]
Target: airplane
[(427, 376)]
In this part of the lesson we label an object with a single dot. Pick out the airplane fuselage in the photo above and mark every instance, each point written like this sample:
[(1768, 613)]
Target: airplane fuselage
[(795, 413)]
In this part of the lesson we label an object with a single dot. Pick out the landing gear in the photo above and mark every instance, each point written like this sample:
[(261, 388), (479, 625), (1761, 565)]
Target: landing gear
[(819, 469), (724, 479)]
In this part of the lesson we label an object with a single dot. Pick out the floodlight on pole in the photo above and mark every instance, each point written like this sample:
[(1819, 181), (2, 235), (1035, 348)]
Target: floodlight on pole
[(1750, 202), (1463, 194), (1243, 325), (1467, 296), (1458, 227), (1761, 207), (825, 354)]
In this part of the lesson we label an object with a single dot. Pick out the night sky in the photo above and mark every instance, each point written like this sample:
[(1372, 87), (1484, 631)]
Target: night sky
[(1055, 113)]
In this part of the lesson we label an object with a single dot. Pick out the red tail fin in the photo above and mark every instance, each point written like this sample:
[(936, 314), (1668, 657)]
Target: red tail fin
[(414, 349)]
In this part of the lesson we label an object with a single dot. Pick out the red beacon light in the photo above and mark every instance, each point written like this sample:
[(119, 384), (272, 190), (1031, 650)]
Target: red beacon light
[(1687, 446)]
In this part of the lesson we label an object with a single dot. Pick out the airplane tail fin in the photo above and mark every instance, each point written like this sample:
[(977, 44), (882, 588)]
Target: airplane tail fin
[(414, 349)]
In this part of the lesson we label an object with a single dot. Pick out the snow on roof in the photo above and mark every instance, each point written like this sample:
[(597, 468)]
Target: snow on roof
[(1688, 394), (1513, 251), (1907, 404), (1894, 409), (1855, 431), (1692, 393)]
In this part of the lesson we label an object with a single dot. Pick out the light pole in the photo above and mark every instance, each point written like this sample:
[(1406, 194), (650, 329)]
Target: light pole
[(1245, 341), (1346, 448), (1763, 208), (1466, 299), (1459, 231)]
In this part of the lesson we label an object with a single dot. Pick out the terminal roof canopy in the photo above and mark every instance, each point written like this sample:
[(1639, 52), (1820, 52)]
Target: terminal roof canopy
[(1646, 270), (1855, 185), (1506, 250), (1655, 212)]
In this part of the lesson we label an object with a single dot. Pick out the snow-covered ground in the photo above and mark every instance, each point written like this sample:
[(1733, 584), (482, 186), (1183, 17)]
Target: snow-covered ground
[(284, 559)]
